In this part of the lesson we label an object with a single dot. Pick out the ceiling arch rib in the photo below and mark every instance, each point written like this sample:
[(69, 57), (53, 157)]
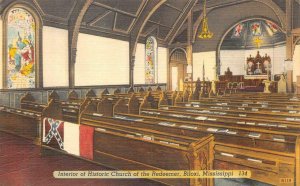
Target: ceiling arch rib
[(180, 21), (148, 10), (140, 23), (276, 9), (74, 26), (168, 18)]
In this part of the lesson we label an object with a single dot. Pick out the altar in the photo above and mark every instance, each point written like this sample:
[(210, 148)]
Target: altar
[(258, 67), (257, 73), (263, 77)]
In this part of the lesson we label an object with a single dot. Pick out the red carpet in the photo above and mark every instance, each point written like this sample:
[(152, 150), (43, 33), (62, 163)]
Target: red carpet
[(21, 165)]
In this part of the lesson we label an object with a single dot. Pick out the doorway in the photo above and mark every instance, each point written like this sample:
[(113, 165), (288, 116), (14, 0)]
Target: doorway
[(178, 65)]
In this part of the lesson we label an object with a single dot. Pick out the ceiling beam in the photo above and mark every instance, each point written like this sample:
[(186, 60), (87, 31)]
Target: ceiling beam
[(98, 18), (150, 30), (182, 29), (180, 21), (114, 9), (115, 21), (139, 12), (173, 7), (175, 45), (159, 24), (217, 4)]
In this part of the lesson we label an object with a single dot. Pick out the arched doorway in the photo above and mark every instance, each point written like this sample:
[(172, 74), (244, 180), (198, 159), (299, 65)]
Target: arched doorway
[(177, 70)]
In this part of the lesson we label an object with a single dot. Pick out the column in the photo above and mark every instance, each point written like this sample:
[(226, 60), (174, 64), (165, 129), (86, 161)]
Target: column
[(289, 44)]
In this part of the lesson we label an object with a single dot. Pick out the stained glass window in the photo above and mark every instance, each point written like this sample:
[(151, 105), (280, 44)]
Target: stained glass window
[(238, 30), (20, 60), (271, 28), (256, 28), (150, 60)]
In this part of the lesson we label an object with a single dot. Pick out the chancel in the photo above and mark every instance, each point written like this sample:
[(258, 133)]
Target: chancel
[(150, 85)]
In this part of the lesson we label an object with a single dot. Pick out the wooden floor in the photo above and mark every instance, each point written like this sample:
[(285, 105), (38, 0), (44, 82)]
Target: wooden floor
[(21, 165)]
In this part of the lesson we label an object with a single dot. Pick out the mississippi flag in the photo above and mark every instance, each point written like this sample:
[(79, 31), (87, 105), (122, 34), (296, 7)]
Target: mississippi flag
[(76, 139)]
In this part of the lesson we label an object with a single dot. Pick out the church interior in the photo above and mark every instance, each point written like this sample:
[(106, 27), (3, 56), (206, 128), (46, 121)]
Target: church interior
[(150, 85)]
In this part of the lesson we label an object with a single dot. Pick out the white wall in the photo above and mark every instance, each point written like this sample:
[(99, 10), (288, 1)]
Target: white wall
[(162, 67), (101, 61), (296, 60), (209, 59), (1, 55), (55, 57), (139, 67), (236, 59)]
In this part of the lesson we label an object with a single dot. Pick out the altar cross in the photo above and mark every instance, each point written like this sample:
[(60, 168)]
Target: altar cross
[(257, 41), (258, 63)]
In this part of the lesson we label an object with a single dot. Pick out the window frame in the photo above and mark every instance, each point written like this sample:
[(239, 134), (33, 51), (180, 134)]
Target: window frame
[(38, 44), (155, 50)]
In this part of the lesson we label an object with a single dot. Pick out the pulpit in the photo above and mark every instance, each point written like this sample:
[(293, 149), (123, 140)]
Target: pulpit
[(282, 84)]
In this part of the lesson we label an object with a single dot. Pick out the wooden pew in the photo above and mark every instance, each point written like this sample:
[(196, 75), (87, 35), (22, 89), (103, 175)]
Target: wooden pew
[(130, 105), (261, 97), (280, 150), (260, 94), (169, 97), (221, 88), (24, 122), (111, 144), (239, 146), (220, 112), (205, 89), (152, 99), (140, 95), (224, 120), (258, 98), (260, 105), (188, 152), (266, 152), (120, 102), (73, 106), (243, 107), (29, 103)]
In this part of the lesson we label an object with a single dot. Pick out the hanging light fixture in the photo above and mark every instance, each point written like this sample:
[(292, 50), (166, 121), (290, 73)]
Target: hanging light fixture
[(205, 33)]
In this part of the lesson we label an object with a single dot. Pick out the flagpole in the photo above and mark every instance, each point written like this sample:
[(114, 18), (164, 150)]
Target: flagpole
[(203, 71)]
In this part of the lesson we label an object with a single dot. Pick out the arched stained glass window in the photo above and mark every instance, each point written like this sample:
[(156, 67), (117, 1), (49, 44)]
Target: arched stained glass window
[(20, 49), (151, 46)]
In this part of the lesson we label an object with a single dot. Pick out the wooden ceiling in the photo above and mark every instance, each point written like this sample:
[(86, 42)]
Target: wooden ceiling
[(118, 17)]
